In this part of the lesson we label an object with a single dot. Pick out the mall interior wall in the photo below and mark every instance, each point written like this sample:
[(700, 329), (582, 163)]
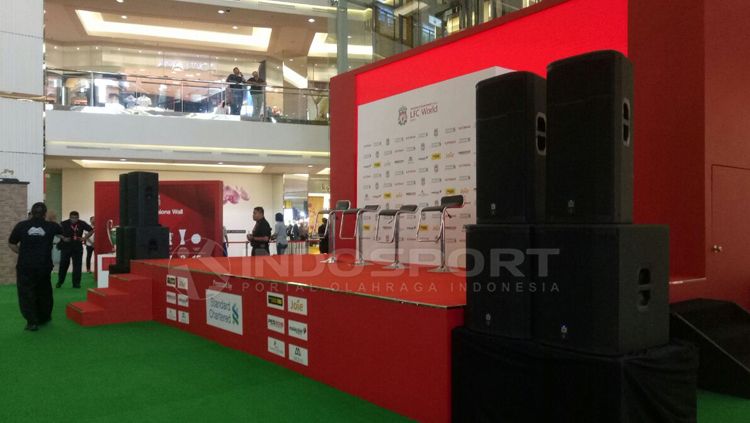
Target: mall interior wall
[(263, 190), (21, 118)]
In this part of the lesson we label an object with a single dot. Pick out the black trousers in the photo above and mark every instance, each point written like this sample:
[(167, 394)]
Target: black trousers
[(35, 293), (89, 253), (70, 253)]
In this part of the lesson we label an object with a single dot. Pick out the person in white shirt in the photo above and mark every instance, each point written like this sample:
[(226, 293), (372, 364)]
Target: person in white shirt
[(222, 109)]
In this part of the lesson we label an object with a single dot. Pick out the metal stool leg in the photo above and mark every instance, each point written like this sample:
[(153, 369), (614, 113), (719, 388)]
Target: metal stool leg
[(331, 228), (443, 267), (396, 263)]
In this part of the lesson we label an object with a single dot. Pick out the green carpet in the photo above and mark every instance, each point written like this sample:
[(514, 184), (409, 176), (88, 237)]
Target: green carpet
[(151, 372)]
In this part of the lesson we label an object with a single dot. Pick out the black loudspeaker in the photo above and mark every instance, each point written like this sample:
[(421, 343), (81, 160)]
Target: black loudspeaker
[(607, 287), (590, 151), (511, 148), (141, 193), (499, 279), (141, 242)]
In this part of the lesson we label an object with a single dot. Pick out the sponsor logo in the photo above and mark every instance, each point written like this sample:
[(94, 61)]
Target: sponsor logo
[(422, 110), (377, 144), (464, 215), (424, 169), (450, 179), (411, 137), (422, 158), (183, 317), (277, 347), (450, 191), (274, 300), (411, 148), (398, 161), (366, 186), (377, 175), (436, 168), (171, 281), (298, 354), (410, 171), (451, 142), (436, 156), (402, 118), (464, 140), (423, 194), (465, 165), (387, 196), (387, 153), (387, 141), (465, 190), (297, 305), (436, 180), (367, 146), (464, 152), (411, 183), (399, 184), (171, 314), (462, 127), (450, 167), (183, 300), (464, 178), (182, 282), (376, 165), (411, 194), (423, 134), (298, 330), (422, 181), (411, 159), (171, 298), (377, 154), (436, 192), (224, 311), (387, 173), (435, 132), (436, 144), (367, 177), (398, 195), (399, 139), (450, 155), (399, 151), (450, 130), (367, 156), (275, 323), (387, 185), (377, 185)]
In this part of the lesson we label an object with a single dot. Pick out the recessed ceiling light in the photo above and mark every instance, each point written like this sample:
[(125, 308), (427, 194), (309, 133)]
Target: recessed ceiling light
[(123, 160), (311, 20), (141, 70), (349, 37), (55, 47), (235, 59), (140, 51), (120, 1), (124, 16), (235, 27), (78, 48), (309, 165), (97, 47), (158, 52), (222, 11), (291, 60), (220, 163)]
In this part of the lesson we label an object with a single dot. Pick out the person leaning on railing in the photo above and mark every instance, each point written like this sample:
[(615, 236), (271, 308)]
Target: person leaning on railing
[(256, 93), (236, 89)]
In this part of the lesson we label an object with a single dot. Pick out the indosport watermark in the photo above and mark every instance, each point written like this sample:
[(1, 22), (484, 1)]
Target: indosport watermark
[(497, 271)]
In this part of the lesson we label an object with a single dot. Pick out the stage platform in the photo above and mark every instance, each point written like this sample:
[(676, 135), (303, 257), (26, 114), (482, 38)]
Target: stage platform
[(382, 335)]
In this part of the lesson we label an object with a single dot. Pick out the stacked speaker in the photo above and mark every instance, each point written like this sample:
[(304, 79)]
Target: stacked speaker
[(139, 235), (554, 256)]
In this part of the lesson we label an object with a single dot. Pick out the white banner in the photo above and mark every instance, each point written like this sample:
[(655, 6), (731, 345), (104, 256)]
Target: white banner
[(414, 148)]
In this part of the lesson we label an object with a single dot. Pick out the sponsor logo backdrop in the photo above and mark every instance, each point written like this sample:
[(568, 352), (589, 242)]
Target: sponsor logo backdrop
[(414, 148)]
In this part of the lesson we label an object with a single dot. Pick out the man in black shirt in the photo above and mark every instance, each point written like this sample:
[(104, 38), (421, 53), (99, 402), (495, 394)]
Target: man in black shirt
[(236, 90), (72, 249), (261, 233), (256, 93), (32, 241)]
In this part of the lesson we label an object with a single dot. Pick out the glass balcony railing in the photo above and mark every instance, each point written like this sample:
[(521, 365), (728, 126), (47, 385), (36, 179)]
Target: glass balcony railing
[(114, 93)]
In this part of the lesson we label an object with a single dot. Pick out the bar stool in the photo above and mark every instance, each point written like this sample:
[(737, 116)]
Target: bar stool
[(448, 202), (358, 229), (341, 206), (394, 213)]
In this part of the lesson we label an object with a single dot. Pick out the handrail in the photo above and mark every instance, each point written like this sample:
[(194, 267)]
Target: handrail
[(168, 78)]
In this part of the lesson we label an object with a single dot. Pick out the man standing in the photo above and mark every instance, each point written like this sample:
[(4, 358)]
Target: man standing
[(236, 90), (72, 249), (89, 241), (256, 92), (34, 265), (323, 236), (261, 233)]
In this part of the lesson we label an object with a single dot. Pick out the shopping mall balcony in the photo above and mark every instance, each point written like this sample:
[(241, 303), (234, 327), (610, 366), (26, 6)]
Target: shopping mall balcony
[(99, 116)]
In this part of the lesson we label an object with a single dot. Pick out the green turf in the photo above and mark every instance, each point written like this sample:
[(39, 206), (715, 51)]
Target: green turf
[(151, 372)]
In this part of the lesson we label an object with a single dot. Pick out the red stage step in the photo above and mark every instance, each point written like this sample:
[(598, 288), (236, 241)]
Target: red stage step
[(128, 299)]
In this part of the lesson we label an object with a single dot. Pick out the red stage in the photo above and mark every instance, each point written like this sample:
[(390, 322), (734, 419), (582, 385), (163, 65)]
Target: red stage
[(382, 335)]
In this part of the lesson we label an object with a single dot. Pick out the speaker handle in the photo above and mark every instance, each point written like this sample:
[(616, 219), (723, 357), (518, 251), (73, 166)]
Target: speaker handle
[(627, 114), (541, 134)]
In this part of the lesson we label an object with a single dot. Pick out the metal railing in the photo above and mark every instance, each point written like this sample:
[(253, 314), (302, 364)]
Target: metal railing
[(116, 93)]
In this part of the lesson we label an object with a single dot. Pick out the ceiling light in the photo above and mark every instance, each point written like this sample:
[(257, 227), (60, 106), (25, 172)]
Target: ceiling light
[(293, 77), (223, 11), (141, 70), (103, 164), (309, 165), (158, 52), (193, 148), (291, 60), (95, 25), (220, 163), (120, 1), (123, 160), (349, 37), (140, 51), (97, 47), (124, 16), (320, 48), (55, 47), (235, 27), (311, 20), (78, 48)]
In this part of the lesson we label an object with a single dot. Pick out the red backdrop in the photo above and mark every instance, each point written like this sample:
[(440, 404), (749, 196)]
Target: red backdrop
[(194, 207)]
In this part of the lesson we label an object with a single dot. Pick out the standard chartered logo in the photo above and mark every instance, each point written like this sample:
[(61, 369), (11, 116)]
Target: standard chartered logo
[(235, 315), (224, 311)]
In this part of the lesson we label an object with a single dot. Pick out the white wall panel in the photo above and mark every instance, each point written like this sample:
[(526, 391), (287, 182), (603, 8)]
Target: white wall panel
[(22, 17), (21, 126), (110, 131), (20, 63), (26, 167)]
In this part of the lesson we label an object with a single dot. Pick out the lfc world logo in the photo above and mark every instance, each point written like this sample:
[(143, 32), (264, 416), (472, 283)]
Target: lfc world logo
[(402, 115)]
